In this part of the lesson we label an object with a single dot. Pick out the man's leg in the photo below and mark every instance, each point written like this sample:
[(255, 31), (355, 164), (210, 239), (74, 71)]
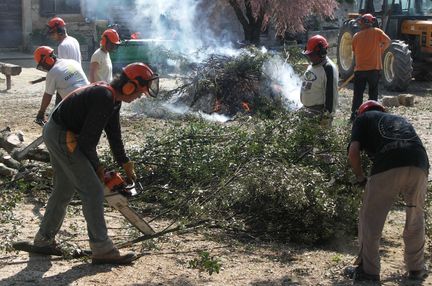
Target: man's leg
[(414, 193), (380, 191), (359, 88), (373, 81)]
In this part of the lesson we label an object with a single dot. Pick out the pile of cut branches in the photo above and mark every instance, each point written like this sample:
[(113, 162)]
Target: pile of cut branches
[(281, 179), (231, 84)]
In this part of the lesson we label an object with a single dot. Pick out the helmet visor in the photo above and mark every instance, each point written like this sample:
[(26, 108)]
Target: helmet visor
[(152, 84)]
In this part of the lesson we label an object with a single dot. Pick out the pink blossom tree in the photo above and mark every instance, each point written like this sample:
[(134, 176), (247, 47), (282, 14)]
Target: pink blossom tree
[(285, 15)]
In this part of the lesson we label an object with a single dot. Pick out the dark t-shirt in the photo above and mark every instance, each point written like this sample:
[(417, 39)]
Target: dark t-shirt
[(87, 112), (390, 141)]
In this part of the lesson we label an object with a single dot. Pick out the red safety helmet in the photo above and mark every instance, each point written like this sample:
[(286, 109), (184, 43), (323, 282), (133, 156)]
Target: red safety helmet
[(55, 24), (367, 19), (110, 35), (370, 105), (316, 44), (44, 54), (141, 78)]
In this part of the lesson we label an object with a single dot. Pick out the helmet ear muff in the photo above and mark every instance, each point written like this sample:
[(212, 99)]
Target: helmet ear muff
[(104, 41), (129, 88), (49, 60), (320, 50)]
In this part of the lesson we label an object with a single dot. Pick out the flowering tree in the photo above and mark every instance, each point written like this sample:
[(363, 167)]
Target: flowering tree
[(285, 15)]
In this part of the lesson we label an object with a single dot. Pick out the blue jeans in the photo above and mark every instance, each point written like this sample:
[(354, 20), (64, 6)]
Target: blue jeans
[(73, 172)]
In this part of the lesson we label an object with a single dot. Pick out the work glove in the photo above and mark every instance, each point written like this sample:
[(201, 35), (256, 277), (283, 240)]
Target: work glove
[(130, 170), (100, 172), (41, 118)]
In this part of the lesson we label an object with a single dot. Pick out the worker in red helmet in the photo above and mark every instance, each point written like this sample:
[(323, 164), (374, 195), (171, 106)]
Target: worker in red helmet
[(100, 62), (63, 76), (71, 135), (368, 46), (400, 165), (68, 46), (319, 92)]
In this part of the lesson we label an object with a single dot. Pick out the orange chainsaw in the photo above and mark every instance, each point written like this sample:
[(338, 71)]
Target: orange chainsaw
[(116, 193)]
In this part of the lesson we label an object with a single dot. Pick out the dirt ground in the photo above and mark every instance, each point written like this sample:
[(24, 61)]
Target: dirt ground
[(165, 261)]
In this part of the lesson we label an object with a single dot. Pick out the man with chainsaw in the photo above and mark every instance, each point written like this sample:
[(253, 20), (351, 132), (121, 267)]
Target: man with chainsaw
[(368, 45), (319, 91), (63, 76), (400, 165), (71, 135), (100, 62)]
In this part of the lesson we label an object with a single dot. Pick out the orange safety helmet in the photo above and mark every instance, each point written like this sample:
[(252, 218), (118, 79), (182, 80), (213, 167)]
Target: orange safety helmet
[(140, 78), (370, 105), (56, 24), (110, 35), (316, 44), (44, 54), (367, 19)]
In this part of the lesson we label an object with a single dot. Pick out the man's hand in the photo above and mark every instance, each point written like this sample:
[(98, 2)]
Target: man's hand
[(40, 117), (129, 169)]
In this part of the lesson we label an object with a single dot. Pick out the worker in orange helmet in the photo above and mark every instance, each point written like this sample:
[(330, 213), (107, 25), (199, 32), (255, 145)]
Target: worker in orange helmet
[(71, 135), (68, 46), (319, 93), (100, 62)]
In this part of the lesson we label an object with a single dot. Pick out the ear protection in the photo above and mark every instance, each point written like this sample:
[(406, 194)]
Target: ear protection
[(49, 60), (129, 88), (320, 50), (103, 41)]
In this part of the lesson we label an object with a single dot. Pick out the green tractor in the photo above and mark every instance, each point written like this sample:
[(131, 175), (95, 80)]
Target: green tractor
[(409, 24)]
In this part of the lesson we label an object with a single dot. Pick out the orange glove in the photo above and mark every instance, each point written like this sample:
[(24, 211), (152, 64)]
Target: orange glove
[(130, 170), (100, 172)]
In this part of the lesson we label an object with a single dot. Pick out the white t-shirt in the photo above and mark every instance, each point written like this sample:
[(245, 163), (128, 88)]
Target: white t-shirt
[(104, 71), (69, 48), (65, 76), (314, 86)]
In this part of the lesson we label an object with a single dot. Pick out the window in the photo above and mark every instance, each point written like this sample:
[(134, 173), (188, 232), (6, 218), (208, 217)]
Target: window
[(53, 7)]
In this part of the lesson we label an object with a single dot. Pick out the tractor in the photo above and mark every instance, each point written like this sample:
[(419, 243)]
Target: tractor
[(409, 24)]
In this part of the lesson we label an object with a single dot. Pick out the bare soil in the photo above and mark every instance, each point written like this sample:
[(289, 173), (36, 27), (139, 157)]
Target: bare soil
[(165, 261)]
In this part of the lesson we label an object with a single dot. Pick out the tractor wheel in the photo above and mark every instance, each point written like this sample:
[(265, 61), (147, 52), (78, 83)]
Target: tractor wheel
[(345, 56), (397, 66)]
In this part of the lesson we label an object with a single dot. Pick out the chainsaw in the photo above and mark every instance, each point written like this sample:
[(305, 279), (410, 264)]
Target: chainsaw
[(117, 192)]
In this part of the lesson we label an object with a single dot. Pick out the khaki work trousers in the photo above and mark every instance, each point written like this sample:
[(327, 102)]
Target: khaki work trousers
[(380, 193)]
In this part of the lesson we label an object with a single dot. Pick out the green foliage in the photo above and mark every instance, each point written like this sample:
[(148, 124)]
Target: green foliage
[(283, 179), (206, 263)]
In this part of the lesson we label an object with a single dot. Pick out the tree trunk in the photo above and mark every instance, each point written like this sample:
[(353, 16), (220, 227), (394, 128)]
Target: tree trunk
[(251, 25)]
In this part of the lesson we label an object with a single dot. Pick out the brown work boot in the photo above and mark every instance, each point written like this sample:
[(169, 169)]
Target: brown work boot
[(113, 257)]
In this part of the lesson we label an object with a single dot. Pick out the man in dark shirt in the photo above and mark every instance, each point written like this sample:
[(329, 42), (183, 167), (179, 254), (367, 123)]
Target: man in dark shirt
[(399, 165), (71, 136)]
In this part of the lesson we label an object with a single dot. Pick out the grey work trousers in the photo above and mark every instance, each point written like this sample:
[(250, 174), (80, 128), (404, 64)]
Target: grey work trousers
[(381, 191), (73, 171)]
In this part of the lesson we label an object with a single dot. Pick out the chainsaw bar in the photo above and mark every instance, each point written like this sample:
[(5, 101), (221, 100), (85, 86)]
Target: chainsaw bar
[(22, 153), (120, 203)]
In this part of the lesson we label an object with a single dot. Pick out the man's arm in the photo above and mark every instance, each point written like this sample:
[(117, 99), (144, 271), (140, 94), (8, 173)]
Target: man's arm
[(46, 99), (329, 92), (94, 66), (355, 160), (385, 41)]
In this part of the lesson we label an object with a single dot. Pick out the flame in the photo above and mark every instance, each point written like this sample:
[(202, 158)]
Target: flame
[(217, 105), (246, 106)]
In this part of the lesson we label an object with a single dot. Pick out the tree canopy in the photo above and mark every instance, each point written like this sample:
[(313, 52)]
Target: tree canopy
[(285, 15)]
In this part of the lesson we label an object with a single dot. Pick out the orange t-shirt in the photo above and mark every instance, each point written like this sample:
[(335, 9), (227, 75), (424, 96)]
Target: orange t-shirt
[(368, 46)]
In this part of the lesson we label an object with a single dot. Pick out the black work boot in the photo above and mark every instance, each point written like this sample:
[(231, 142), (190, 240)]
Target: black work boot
[(358, 274), (418, 274)]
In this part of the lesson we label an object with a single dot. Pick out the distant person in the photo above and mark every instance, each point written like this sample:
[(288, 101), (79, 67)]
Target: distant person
[(368, 46), (68, 46), (400, 165), (319, 92), (100, 62), (63, 76)]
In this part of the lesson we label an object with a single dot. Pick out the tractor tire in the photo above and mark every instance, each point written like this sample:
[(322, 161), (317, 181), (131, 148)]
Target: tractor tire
[(397, 66), (345, 56)]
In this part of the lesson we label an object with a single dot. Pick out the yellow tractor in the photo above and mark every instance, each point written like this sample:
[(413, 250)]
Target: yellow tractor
[(409, 24)]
